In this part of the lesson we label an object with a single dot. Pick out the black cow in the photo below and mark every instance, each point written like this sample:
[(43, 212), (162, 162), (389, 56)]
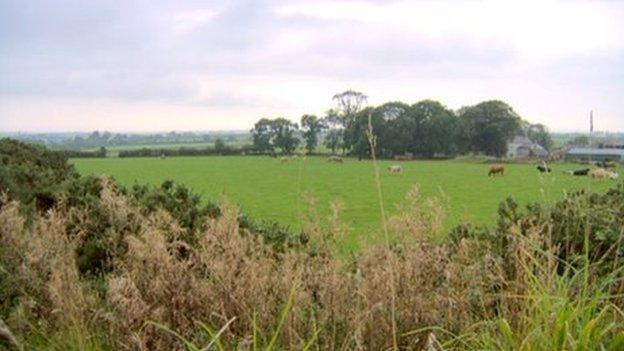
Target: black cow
[(606, 164), (579, 172), (543, 168)]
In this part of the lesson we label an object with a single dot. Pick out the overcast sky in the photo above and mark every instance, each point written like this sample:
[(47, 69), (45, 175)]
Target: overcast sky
[(200, 65)]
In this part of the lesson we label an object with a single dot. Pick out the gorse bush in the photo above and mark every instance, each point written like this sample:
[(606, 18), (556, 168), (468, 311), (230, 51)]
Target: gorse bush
[(153, 268), (32, 174), (40, 180)]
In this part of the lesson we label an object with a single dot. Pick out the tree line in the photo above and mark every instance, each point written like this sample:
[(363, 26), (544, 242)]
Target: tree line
[(425, 129)]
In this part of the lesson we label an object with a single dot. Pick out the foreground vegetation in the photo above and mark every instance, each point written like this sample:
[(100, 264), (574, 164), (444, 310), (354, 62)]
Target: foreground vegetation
[(98, 266)]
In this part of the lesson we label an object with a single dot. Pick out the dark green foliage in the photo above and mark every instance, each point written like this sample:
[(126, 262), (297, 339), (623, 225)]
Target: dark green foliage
[(312, 127), (218, 150), (184, 205), (284, 137), (489, 126), (90, 219), (426, 129), (277, 235), (271, 134), (599, 217), (32, 174), (99, 153), (262, 134), (581, 224)]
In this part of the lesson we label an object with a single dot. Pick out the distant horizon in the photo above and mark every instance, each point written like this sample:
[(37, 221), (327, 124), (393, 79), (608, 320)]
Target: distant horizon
[(237, 131)]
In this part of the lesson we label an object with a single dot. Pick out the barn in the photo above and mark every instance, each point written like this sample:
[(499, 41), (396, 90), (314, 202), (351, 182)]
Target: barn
[(594, 154)]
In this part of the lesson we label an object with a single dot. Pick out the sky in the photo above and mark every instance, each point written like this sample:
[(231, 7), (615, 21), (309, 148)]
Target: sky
[(221, 65)]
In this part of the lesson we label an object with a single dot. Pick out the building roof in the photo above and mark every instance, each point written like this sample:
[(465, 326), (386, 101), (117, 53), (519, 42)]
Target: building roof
[(595, 151)]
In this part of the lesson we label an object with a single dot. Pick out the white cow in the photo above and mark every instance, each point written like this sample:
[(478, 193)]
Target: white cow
[(600, 173), (395, 169)]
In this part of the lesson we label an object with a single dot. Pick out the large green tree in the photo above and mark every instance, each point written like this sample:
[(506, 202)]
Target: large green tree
[(285, 137), (489, 126), (334, 124), (359, 132), (435, 129), (311, 126), (347, 106), (269, 134), (393, 126), (263, 134)]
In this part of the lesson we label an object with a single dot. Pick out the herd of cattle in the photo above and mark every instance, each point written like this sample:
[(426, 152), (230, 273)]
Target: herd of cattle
[(600, 172)]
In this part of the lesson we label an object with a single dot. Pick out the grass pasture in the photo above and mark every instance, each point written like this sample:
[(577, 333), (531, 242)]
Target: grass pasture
[(267, 189)]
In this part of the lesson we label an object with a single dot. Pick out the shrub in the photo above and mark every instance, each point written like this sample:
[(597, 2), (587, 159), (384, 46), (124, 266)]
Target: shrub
[(32, 174)]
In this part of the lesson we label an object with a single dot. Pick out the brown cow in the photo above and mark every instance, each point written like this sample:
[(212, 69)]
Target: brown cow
[(284, 159), (496, 169)]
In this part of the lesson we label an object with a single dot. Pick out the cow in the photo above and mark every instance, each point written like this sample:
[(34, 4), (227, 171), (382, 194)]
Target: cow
[(284, 159), (335, 159), (496, 169), (578, 172), (601, 173), (543, 168), (606, 164), (395, 169)]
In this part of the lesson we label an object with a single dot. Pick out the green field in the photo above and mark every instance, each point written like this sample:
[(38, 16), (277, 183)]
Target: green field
[(266, 189)]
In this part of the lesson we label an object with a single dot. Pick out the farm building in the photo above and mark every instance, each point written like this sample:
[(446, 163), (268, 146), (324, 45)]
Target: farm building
[(594, 154), (521, 146)]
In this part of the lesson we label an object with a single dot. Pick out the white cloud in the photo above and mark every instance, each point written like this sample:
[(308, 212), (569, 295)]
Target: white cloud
[(543, 29)]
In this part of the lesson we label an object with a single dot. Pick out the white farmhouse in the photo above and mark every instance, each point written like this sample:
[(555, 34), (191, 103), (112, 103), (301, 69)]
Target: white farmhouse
[(521, 146)]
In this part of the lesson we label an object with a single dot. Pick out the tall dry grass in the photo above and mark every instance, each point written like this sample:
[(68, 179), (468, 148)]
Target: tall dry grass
[(229, 290)]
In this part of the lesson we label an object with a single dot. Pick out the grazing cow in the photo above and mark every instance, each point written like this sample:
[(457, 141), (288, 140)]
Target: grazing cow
[(601, 173), (334, 159), (543, 168), (578, 172), (606, 164), (284, 159), (496, 169), (395, 169)]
